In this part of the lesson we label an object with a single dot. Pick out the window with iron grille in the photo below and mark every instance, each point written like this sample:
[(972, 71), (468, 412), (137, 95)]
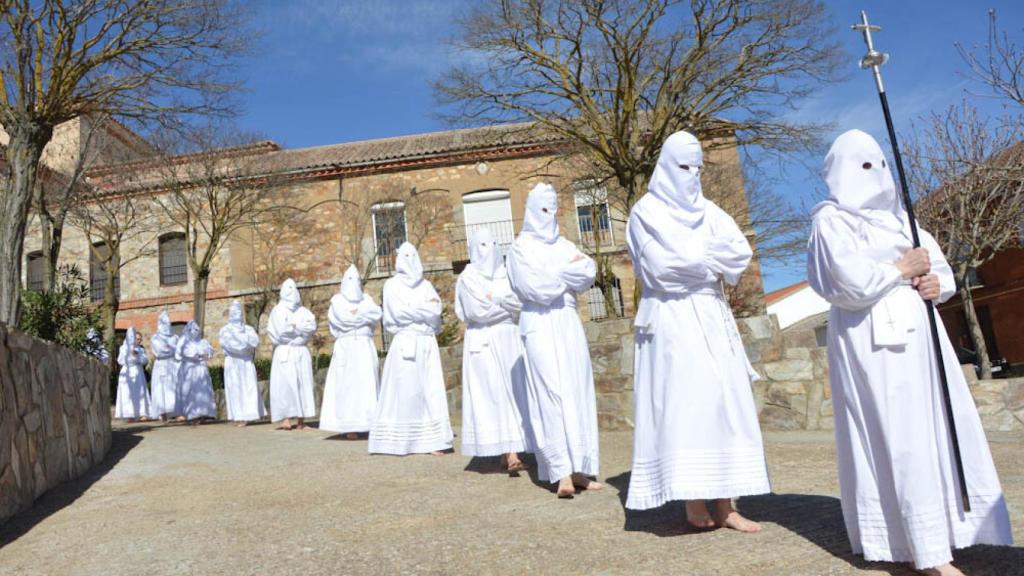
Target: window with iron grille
[(34, 271), (173, 262), (592, 216), (98, 257), (596, 301), (389, 232)]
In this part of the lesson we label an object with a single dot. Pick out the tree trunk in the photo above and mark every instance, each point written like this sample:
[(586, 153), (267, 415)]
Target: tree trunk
[(24, 149), (974, 329), (199, 286), (52, 232)]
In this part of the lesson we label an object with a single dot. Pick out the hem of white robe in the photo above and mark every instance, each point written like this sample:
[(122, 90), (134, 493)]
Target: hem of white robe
[(401, 438), (277, 417), (648, 501), (697, 475), (201, 413), (552, 472), (982, 508), (245, 417), (492, 449), (345, 426)]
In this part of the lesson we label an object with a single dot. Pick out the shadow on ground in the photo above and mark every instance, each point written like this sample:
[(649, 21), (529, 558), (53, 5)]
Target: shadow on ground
[(121, 442)]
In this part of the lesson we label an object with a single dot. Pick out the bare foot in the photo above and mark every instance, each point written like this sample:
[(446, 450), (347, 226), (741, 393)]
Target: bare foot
[(437, 453), (697, 515), (727, 517), (352, 436), (179, 419), (566, 488), (286, 425), (514, 464), (241, 424), (584, 483), (944, 570)]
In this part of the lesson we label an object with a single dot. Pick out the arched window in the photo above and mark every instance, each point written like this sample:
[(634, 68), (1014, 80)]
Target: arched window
[(34, 271), (173, 264), (388, 233)]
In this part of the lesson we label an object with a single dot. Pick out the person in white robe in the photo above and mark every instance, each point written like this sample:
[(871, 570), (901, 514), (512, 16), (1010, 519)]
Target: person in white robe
[(697, 436), (196, 400), (353, 378), (900, 493), (241, 392), (133, 401), (95, 347), (290, 327), (493, 376), (412, 413), (547, 272), (165, 369)]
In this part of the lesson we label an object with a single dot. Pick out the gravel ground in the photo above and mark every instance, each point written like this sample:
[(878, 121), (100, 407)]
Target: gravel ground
[(222, 500)]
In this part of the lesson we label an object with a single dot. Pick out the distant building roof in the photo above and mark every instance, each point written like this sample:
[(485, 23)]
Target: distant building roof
[(773, 297)]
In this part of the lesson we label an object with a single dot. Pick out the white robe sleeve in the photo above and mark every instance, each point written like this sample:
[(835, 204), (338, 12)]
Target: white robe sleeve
[(727, 252), (472, 303), (404, 306), (531, 280), (251, 337), (667, 270), (837, 270), (280, 326), (305, 325), (940, 267), (579, 275)]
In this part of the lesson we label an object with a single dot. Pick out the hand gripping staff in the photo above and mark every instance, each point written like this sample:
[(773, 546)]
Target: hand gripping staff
[(874, 60)]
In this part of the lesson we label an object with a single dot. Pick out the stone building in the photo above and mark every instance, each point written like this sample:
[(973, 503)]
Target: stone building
[(355, 203)]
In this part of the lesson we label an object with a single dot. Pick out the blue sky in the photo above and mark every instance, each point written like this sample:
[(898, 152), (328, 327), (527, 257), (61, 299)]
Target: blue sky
[(332, 71)]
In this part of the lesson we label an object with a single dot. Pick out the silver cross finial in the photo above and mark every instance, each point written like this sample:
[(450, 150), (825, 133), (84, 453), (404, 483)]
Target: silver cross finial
[(873, 59)]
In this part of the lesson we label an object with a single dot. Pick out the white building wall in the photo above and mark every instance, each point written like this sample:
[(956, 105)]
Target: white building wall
[(797, 306)]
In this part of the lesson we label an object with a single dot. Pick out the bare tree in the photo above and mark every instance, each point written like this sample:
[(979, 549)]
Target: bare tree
[(278, 239), (210, 194), (135, 59), (119, 229), (971, 171), (614, 78), (998, 64)]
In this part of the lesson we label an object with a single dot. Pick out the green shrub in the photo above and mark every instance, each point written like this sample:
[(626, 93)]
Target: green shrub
[(63, 315)]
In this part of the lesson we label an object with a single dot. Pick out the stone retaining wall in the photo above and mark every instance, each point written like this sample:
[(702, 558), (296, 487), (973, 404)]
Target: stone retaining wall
[(792, 394), (54, 417)]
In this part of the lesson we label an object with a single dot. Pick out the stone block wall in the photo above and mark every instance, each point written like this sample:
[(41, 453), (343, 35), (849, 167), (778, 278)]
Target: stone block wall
[(54, 417), (792, 394)]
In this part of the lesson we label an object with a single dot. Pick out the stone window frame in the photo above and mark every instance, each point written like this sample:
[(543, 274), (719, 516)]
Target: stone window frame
[(587, 194), (98, 276), (384, 256), (35, 276), (172, 273)]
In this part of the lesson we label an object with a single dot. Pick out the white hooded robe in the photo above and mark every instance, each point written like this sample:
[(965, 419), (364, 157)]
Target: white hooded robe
[(241, 392), (165, 368), (353, 379), (493, 373), (133, 399), (547, 272), (290, 327), (196, 391), (412, 413), (697, 434), (900, 494)]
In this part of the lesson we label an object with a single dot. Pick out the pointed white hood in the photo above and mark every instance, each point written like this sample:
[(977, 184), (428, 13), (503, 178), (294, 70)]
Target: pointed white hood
[(163, 325), (351, 285), (408, 266), (235, 316), (290, 295), (860, 182), (484, 254), (676, 178), (540, 221)]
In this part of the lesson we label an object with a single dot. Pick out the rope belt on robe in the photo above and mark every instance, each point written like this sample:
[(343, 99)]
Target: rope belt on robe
[(289, 350)]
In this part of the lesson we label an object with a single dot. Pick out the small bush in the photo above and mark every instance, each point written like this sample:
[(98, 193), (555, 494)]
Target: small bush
[(63, 315)]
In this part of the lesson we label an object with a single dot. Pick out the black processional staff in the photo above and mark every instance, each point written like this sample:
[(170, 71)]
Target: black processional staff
[(874, 60)]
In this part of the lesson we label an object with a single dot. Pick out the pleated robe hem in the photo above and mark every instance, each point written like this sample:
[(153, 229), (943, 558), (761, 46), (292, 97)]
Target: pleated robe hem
[(345, 426), (981, 526), (401, 439), (493, 449)]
